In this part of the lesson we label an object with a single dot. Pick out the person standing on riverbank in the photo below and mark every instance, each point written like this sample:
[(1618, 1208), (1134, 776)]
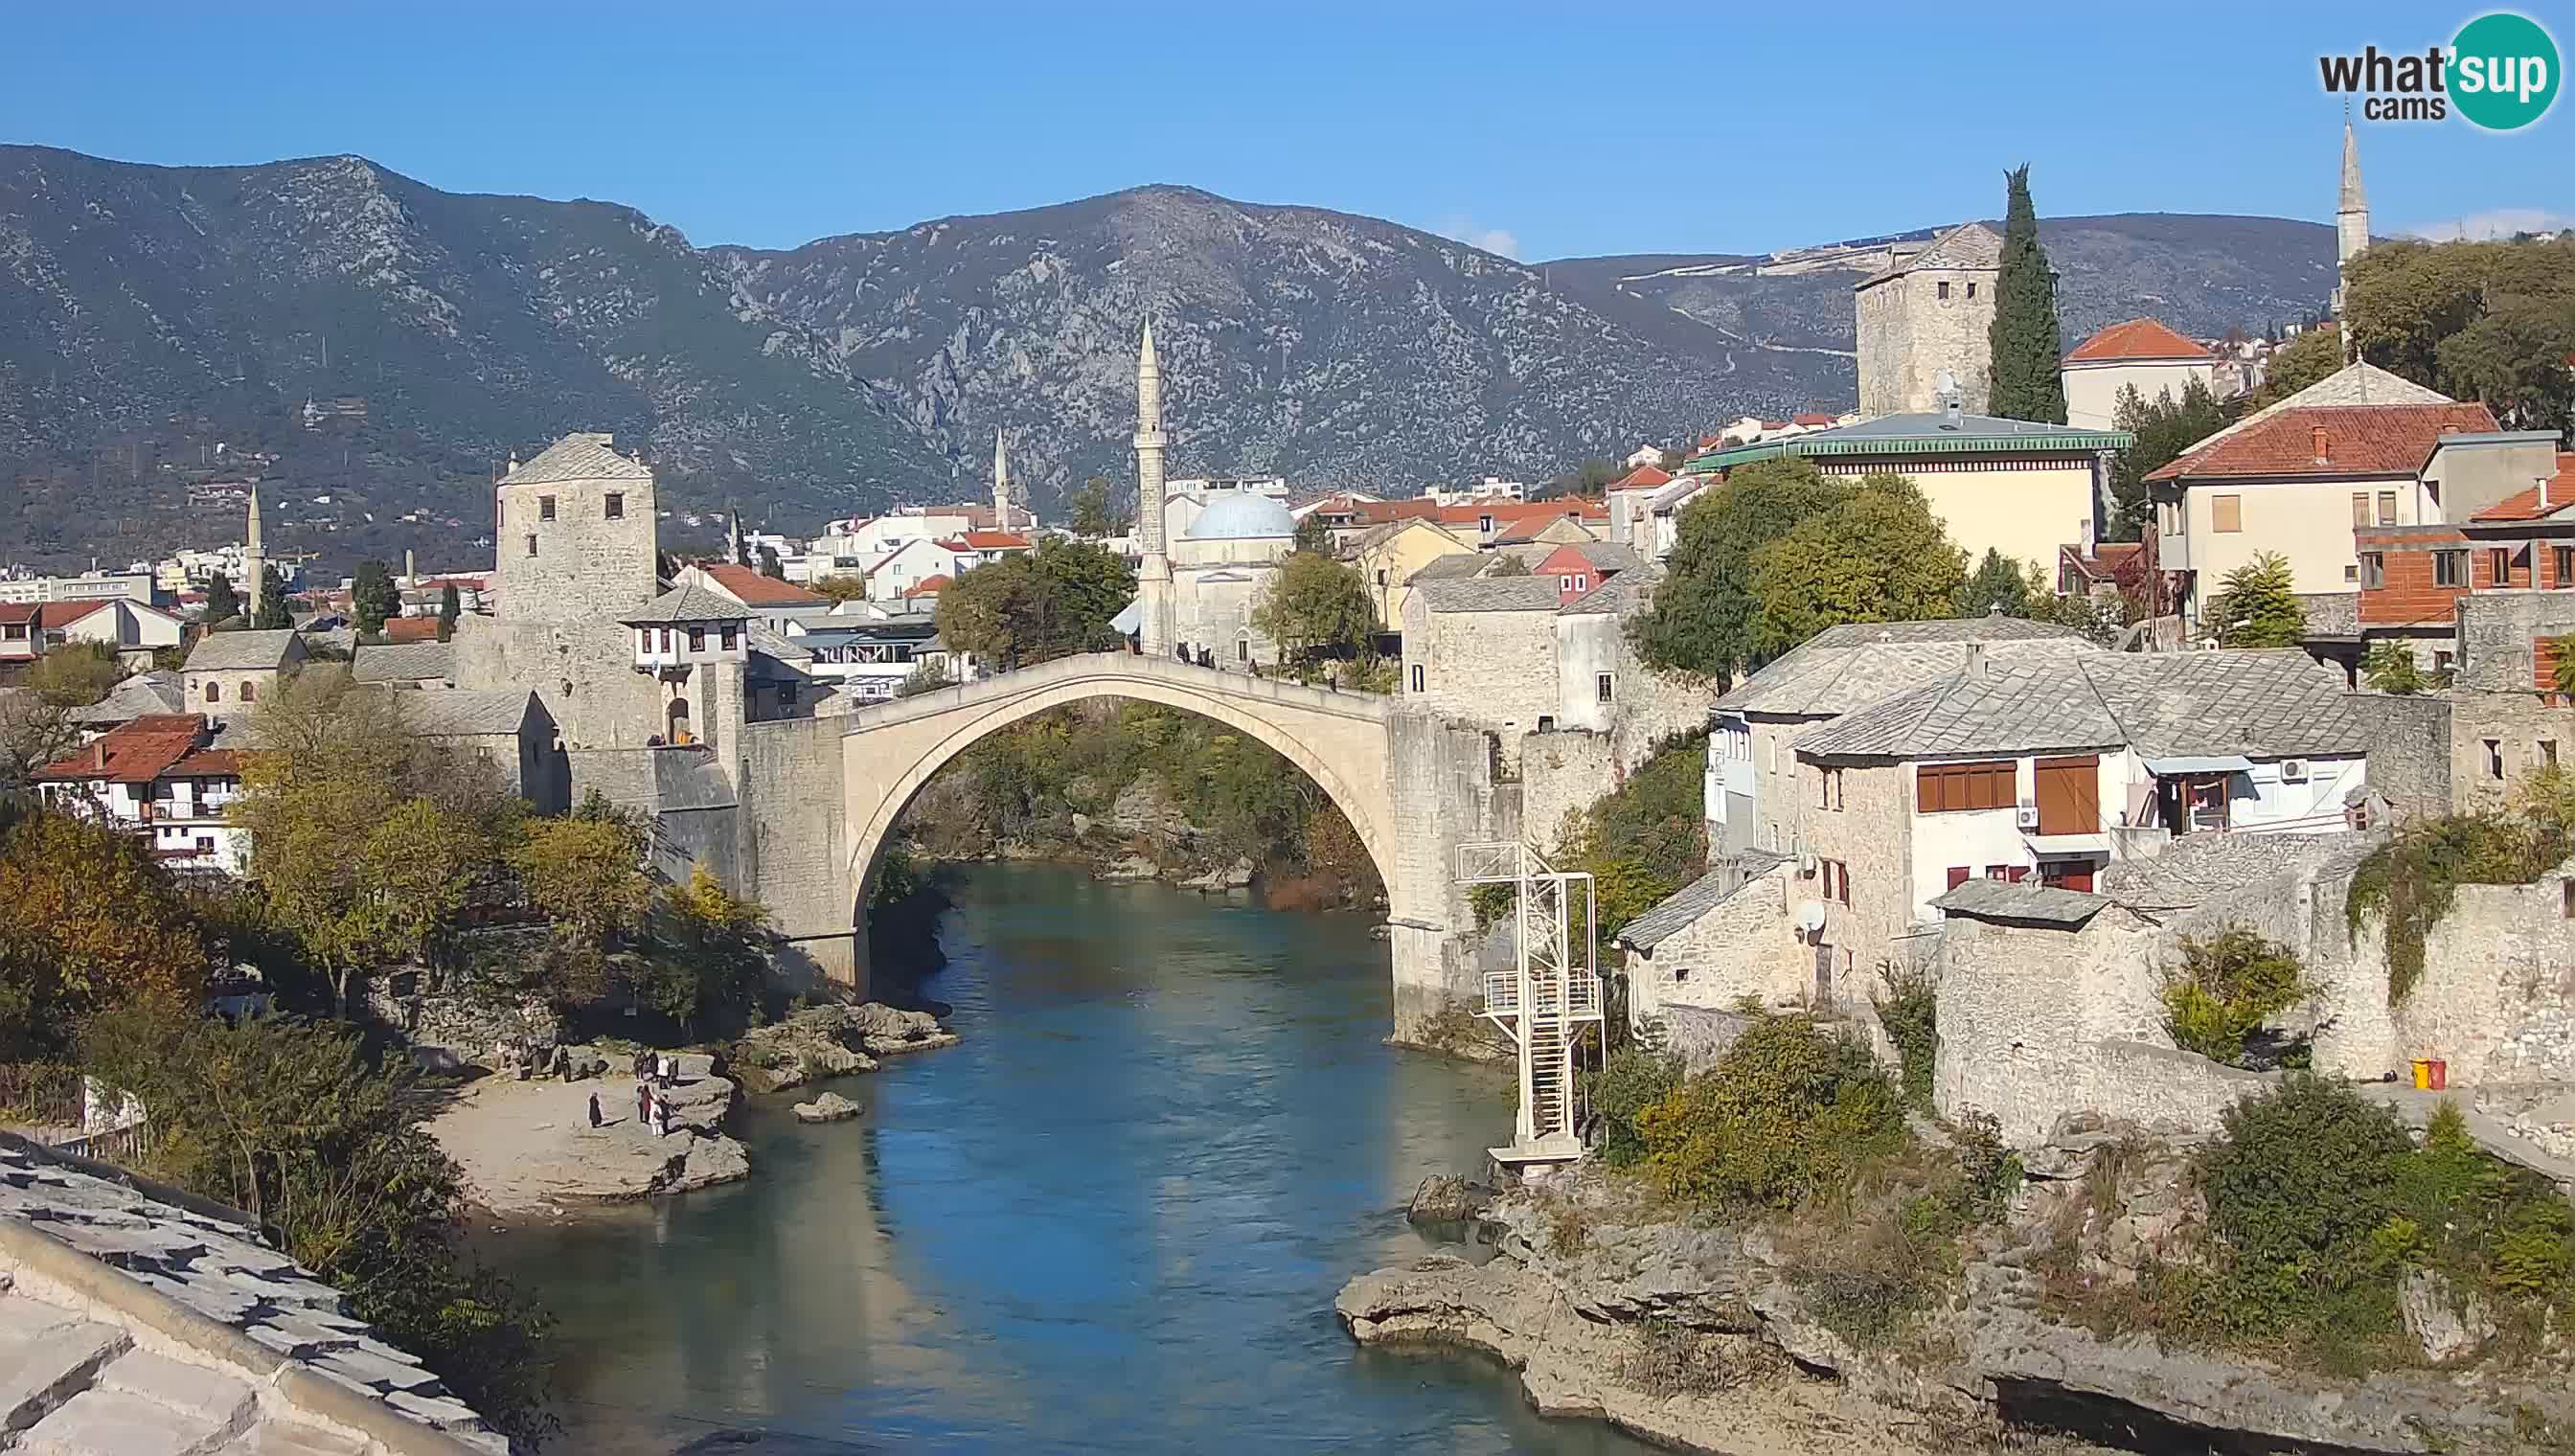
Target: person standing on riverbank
[(594, 1112), (643, 1101)]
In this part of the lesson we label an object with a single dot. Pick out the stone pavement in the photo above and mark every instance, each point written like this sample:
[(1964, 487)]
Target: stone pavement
[(135, 1321)]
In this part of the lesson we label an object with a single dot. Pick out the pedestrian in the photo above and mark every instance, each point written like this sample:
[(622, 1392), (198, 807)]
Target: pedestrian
[(643, 1101), (662, 1117), (594, 1112)]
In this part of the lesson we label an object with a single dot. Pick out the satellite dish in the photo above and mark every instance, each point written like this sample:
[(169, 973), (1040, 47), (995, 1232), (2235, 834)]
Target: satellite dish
[(1945, 382)]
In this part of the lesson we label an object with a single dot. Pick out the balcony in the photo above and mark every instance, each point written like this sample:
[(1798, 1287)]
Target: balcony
[(1582, 1000)]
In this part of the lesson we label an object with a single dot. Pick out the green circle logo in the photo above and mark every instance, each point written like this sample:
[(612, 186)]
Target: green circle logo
[(2503, 71)]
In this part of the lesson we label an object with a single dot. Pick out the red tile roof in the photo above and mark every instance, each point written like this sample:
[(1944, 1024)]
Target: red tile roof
[(15, 612), (2137, 339), (751, 589), (2358, 440), (64, 613), (1642, 478), (134, 753), (411, 629), (1811, 420), (930, 586), (1510, 515), (993, 540), (2526, 506)]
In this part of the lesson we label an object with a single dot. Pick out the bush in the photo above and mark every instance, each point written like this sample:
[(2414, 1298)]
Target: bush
[(2413, 879), (1788, 1112), (1631, 1079), (2227, 986), (1909, 1008)]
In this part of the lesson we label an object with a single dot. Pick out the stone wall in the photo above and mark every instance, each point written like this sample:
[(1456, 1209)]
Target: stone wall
[(1745, 946), (1871, 834), (583, 673), (793, 848), (1909, 334), (1441, 774), (2498, 739), (2496, 1000), (2022, 1009), (1562, 773), (2409, 750), (1496, 669), (448, 1028)]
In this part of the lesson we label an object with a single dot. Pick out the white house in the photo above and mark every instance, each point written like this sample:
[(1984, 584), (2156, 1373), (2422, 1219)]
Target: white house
[(158, 777)]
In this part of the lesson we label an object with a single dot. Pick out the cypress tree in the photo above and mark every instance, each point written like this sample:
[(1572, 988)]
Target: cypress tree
[(2023, 342), (450, 606), (274, 613)]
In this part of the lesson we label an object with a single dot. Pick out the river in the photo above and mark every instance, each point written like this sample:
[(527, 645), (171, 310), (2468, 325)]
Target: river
[(1113, 1218)]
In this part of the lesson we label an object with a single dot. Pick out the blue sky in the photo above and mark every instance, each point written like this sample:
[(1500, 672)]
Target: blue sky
[(1540, 131)]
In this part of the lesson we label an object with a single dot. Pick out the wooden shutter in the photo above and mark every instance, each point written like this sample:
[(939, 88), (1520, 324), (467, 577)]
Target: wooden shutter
[(2069, 796), (1930, 791), (2227, 513), (1958, 876)]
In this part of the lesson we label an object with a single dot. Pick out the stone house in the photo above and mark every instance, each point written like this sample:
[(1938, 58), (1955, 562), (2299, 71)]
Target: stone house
[(2507, 720), (764, 596), (1484, 650), (1931, 309), (1629, 500), (405, 665), (2022, 489), (141, 695), (1728, 937), (1387, 556), (1580, 566), (229, 671), (509, 729), (2142, 355)]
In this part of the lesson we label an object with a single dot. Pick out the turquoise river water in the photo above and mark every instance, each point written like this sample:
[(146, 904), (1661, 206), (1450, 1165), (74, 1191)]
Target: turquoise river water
[(1114, 1219)]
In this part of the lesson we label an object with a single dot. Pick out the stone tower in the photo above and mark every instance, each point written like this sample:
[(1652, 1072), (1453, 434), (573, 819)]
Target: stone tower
[(1931, 309), (254, 560), (2351, 225), (578, 545), (1154, 575), (1001, 483)]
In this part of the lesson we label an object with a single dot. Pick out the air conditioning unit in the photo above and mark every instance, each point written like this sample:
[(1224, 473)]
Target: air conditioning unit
[(2028, 817), (1806, 865), (2294, 771)]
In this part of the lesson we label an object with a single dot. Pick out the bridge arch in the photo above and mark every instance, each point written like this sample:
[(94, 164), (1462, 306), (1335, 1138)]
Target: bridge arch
[(1338, 739)]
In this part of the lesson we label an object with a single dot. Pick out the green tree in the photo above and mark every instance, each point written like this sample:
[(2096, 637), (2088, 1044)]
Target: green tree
[(928, 675), (1507, 564), (1315, 605), (769, 565), (374, 597), (296, 1124), (449, 608), (1056, 599), (2166, 428), (221, 603), (1590, 478), (1093, 511), (2407, 299), (2513, 358), (708, 960), (842, 588), (1997, 586), (2305, 360), (2390, 666), (92, 921), (1313, 536), (2258, 606), (1707, 617), (2023, 340), (75, 675), (1877, 555), (275, 613)]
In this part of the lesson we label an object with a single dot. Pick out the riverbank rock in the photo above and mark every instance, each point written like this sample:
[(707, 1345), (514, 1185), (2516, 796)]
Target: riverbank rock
[(1131, 867), (830, 1041), (828, 1107), (1237, 875), (1447, 1198), (527, 1148)]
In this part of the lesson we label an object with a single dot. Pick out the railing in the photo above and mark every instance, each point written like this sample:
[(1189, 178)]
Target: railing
[(1581, 1001), (124, 1147)]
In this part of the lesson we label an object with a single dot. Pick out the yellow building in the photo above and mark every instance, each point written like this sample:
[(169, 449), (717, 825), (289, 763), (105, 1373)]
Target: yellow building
[(1388, 556), (2005, 485)]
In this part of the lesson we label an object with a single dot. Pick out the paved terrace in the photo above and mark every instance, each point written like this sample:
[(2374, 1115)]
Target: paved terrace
[(137, 1321)]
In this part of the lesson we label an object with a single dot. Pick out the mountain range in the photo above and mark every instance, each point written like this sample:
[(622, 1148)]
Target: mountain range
[(154, 314)]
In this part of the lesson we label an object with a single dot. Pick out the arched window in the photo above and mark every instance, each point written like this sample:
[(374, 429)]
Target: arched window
[(675, 722), (250, 690), (214, 692)]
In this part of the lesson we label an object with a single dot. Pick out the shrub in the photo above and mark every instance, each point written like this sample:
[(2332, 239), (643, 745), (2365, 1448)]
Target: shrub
[(1908, 1007), (1787, 1112), (2413, 879), (2227, 986), (1633, 1078)]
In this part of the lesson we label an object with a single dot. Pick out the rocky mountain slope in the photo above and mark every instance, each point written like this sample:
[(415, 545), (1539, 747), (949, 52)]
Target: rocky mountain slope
[(154, 312)]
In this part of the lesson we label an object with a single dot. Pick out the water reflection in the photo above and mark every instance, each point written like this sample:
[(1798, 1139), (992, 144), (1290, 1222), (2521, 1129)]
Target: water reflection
[(1113, 1219)]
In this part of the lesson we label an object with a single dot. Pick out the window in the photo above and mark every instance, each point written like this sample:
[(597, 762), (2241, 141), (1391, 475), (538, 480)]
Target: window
[(2373, 569), (214, 692), (2547, 752), (1998, 871), (732, 635), (1546, 723), (531, 543), (2566, 898), (2360, 507), (617, 505), (2351, 573), (1380, 576), (786, 694), (2561, 566), (1948, 787), (250, 690), (1959, 876), (205, 843), (2387, 508), (2227, 513), (2494, 758), (2442, 660), (1944, 291), (1581, 582), (1416, 676), (545, 507), (2503, 566), (1243, 650), (1837, 881), (643, 641), (1484, 523), (696, 639), (1604, 687), (1971, 290), (1564, 584), (2449, 569)]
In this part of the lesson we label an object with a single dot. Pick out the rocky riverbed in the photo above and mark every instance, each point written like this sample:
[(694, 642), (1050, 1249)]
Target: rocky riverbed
[(527, 1151), (1704, 1337)]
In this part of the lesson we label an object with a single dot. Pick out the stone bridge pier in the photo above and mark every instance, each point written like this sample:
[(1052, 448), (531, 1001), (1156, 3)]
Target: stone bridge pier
[(1413, 787)]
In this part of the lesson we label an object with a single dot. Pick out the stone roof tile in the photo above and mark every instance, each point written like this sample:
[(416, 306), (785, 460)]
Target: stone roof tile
[(240, 651), (1696, 898), (1849, 666), (1491, 593), (2022, 903), (578, 456)]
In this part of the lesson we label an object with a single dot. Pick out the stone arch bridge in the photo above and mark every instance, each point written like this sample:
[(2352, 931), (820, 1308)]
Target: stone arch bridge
[(1400, 779)]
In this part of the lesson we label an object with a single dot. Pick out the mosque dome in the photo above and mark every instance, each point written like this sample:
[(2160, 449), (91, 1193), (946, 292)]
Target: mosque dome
[(1241, 516)]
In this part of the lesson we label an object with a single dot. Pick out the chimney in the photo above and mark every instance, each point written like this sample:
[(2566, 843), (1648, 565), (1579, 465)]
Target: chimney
[(2324, 443), (1975, 660)]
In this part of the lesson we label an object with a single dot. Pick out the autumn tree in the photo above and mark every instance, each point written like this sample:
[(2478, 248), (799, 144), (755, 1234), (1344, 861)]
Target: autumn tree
[(708, 958), (1054, 599), (844, 586), (2023, 340), (586, 872), (1877, 555), (33, 734), (75, 675), (2256, 605), (1707, 614), (1316, 606), (1507, 564), (356, 846), (92, 921)]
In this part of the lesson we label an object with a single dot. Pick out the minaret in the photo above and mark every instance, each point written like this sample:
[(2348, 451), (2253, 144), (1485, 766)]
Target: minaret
[(1154, 577), (2351, 227), (1001, 483), (254, 561)]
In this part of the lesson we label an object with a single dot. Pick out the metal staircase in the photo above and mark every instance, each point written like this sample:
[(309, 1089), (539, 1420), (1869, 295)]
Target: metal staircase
[(1545, 999)]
